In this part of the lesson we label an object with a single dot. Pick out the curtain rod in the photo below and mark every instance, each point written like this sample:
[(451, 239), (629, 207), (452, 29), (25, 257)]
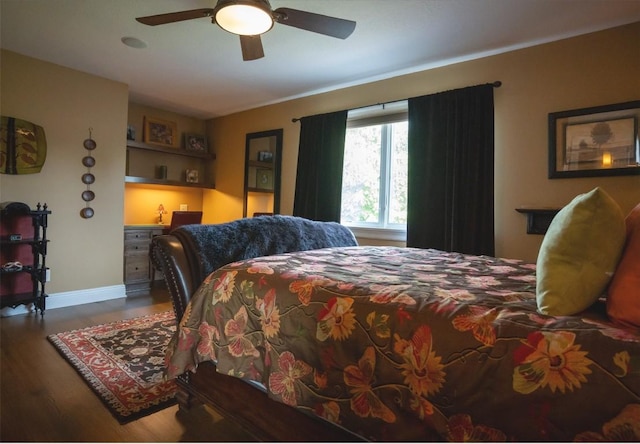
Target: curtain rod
[(496, 84)]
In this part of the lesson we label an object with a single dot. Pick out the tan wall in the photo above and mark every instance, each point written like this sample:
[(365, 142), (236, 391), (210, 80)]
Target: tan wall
[(141, 202), (83, 253), (591, 70)]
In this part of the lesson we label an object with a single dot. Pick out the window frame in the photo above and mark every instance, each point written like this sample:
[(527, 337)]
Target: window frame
[(385, 115)]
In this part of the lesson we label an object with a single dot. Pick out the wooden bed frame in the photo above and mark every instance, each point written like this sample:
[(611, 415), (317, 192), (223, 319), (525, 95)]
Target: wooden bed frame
[(265, 419), (181, 262)]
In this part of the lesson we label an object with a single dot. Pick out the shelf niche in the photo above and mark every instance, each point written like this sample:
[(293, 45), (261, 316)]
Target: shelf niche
[(538, 219), (263, 158), (144, 162)]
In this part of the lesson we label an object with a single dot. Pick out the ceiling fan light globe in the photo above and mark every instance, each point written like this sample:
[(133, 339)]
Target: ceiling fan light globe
[(244, 19)]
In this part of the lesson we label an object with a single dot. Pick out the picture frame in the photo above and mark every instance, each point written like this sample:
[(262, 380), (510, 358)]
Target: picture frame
[(265, 156), (596, 141), (195, 143), (160, 132), (264, 178), (191, 176)]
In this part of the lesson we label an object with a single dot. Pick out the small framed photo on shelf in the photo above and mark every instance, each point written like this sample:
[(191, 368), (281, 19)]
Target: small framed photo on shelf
[(195, 142), (160, 132), (265, 156), (597, 141), (191, 176), (264, 178)]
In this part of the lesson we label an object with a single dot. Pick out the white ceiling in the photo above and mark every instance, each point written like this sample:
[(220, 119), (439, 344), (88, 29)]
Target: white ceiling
[(195, 68)]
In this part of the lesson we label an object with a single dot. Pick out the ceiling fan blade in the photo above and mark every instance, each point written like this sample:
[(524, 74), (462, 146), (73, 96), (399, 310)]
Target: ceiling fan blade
[(161, 19), (309, 21), (251, 47)]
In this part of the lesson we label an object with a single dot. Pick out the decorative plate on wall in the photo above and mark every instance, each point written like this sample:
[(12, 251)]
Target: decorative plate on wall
[(23, 146), (88, 178)]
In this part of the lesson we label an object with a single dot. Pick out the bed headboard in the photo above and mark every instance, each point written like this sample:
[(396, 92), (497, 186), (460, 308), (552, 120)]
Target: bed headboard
[(190, 253)]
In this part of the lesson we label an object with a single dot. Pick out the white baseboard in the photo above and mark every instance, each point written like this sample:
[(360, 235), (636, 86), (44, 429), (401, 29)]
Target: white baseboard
[(69, 298)]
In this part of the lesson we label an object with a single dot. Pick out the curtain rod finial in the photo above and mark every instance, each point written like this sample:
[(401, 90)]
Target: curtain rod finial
[(497, 84)]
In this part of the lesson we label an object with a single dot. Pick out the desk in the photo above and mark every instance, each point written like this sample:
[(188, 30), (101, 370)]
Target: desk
[(137, 264)]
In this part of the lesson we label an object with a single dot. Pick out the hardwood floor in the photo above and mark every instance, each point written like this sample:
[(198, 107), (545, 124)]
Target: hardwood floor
[(44, 399)]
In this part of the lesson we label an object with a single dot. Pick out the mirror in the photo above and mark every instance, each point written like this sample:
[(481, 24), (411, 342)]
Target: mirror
[(263, 157)]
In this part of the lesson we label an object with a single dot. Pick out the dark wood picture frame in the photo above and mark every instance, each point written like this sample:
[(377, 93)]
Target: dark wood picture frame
[(596, 141), (195, 143)]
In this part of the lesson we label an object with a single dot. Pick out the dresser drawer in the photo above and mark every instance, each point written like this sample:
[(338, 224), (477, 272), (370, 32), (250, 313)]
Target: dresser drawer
[(133, 235), (136, 247), (136, 269)]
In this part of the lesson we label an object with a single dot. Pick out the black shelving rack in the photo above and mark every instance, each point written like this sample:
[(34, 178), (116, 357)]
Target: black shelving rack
[(29, 245)]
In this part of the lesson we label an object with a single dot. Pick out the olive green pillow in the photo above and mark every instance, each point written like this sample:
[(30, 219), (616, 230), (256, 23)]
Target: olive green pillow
[(579, 254)]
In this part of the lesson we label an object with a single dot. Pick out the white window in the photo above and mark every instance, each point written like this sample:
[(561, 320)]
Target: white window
[(374, 178)]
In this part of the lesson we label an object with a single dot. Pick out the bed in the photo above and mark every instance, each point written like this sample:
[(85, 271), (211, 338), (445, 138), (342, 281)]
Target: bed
[(347, 342)]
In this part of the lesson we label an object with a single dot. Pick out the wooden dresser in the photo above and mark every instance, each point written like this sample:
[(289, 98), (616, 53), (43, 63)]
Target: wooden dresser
[(137, 265)]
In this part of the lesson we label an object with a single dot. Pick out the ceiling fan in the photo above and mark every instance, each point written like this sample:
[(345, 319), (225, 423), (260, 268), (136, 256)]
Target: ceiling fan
[(251, 18)]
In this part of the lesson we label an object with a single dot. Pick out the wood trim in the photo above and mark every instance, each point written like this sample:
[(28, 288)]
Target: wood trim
[(266, 419)]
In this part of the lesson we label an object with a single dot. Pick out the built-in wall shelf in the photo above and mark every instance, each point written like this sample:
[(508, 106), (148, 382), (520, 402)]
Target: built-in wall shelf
[(173, 151), (175, 183), (262, 162), (159, 165), (538, 219)]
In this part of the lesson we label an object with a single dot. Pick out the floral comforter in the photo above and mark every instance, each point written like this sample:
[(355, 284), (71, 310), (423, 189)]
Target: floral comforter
[(395, 343)]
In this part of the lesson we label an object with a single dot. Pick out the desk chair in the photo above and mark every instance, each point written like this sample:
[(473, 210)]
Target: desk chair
[(178, 218)]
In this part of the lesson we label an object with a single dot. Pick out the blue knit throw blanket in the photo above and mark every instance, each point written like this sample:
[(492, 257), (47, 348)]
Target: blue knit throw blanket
[(221, 244)]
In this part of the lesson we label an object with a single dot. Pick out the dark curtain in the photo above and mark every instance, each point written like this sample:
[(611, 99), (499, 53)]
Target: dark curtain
[(450, 177), (320, 161)]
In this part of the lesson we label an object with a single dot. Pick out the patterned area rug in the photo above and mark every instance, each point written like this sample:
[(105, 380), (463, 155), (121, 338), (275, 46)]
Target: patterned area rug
[(123, 362)]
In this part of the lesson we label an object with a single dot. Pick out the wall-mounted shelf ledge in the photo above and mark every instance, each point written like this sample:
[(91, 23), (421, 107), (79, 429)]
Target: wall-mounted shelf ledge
[(175, 183), (161, 149), (259, 164), (538, 219)]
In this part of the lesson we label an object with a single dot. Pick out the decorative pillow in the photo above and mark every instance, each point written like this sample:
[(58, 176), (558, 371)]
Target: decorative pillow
[(579, 254), (623, 297)]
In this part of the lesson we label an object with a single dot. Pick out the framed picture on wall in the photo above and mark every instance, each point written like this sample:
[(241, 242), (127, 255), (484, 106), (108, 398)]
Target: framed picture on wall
[(195, 142), (160, 132), (265, 156), (597, 141), (191, 176), (264, 178)]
